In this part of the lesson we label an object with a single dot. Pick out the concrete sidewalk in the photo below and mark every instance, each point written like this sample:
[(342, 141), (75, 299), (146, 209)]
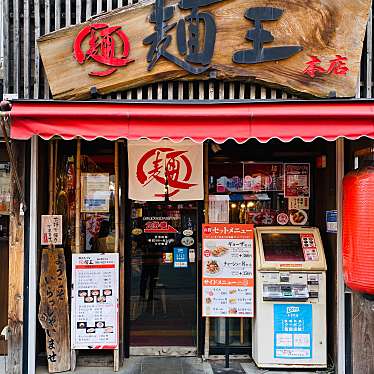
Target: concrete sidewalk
[(174, 365)]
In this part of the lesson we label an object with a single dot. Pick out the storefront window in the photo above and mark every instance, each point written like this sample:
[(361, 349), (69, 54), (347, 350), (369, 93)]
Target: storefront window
[(97, 195)]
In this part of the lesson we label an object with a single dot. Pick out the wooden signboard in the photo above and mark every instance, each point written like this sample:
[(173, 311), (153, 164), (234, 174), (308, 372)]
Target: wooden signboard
[(311, 46), (53, 309)]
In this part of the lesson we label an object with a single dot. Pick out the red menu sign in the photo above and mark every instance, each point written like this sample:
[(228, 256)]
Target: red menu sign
[(228, 278)]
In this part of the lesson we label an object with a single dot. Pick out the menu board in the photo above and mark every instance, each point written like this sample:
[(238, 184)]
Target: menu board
[(228, 280), (94, 310), (297, 180)]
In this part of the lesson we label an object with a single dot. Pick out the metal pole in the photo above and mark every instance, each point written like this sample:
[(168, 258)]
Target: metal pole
[(227, 342), (339, 265), (33, 240)]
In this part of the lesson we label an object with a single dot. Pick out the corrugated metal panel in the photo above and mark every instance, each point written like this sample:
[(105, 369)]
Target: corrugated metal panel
[(25, 21)]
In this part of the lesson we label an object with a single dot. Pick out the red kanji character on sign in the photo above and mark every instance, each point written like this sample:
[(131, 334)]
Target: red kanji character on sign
[(164, 165), (314, 67), (338, 66), (102, 49)]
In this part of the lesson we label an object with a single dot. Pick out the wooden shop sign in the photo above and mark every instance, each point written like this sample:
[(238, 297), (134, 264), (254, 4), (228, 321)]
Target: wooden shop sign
[(311, 46), (54, 309)]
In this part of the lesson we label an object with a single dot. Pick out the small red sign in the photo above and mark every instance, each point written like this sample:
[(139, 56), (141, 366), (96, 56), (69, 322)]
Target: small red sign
[(338, 66), (102, 47), (207, 253), (159, 227)]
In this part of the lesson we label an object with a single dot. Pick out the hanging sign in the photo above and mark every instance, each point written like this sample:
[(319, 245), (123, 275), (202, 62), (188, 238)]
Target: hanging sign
[(95, 192), (94, 311), (51, 230), (165, 171), (267, 41), (227, 261)]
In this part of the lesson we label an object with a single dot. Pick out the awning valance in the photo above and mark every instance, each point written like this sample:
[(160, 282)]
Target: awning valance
[(218, 121)]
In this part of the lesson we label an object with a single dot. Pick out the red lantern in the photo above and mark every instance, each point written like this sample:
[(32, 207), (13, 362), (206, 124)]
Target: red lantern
[(358, 230)]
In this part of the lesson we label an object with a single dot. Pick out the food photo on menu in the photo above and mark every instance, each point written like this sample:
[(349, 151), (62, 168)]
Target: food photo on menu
[(89, 299), (212, 267)]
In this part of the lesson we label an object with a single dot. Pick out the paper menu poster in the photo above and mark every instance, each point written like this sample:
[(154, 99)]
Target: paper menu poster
[(228, 274), (94, 311)]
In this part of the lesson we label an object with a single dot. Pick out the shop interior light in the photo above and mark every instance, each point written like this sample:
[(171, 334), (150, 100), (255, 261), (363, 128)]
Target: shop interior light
[(250, 204), (215, 148), (233, 205), (242, 205)]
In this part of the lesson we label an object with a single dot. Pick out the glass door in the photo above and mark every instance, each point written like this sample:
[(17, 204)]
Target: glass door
[(163, 292)]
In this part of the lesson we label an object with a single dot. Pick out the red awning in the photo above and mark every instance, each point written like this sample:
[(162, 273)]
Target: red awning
[(218, 121)]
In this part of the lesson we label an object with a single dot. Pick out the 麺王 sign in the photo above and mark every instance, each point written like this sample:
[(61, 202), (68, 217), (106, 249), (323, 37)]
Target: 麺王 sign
[(165, 171), (312, 47)]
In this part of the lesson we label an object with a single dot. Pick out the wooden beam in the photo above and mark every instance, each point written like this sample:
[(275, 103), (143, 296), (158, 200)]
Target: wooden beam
[(16, 266)]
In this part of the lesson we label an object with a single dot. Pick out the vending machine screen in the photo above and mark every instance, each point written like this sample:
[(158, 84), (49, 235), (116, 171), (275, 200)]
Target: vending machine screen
[(283, 247)]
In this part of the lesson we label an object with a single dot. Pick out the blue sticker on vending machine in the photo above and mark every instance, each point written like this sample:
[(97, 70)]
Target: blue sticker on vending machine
[(293, 331)]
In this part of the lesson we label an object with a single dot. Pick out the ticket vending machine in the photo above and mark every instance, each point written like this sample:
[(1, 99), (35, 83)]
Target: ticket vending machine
[(289, 329)]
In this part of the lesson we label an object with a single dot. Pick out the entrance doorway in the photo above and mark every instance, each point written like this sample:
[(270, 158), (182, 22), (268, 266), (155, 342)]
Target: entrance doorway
[(163, 267)]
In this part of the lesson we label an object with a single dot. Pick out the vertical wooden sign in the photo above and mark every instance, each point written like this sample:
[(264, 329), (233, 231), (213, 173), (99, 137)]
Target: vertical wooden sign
[(54, 310)]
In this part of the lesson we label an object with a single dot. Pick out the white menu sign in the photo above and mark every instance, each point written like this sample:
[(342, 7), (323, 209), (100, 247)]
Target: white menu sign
[(219, 208), (228, 279), (51, 229), (94, 311)]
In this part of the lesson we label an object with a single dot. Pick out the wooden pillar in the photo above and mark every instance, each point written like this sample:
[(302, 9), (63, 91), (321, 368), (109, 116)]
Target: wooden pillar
[(362, 335), (77, 247), (78, 199), (16, 265), (206, 220), (122, 232), (116, 354)]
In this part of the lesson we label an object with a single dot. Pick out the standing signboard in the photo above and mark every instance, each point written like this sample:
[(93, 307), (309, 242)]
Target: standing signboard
[(54, 310), (94, 311), (228, 281)]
